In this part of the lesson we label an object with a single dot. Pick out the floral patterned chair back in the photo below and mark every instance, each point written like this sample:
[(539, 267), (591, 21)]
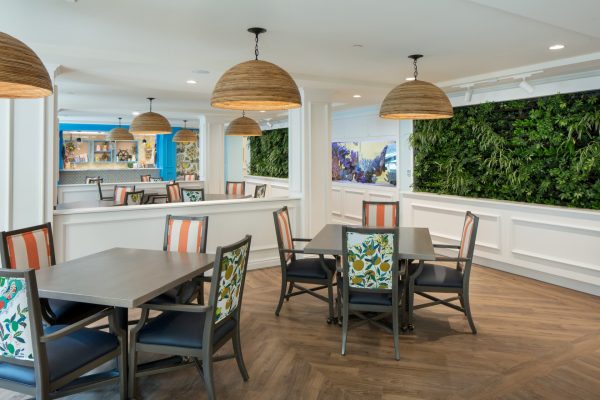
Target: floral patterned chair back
[(381, 214), (238, 188), (185, 234), (134, 198), (120, 193), (192, 195), (173, 193), (260, 191), (283, 230), (227, 285), (189, 177), (31, 247), (370, 258), (146, 178)]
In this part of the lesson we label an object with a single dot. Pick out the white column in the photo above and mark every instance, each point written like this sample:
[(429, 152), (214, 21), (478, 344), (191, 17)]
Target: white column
[(405, 157), (212, 153), (29, 164), (310, 159)]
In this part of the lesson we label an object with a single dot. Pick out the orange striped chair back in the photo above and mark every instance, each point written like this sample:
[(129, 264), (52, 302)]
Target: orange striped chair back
[(189, 177), (284, 231), (382, 214), (120, 193), (185, 234), (28, 248), (235, 188), (467, 237), (173, 193), (146, 178)]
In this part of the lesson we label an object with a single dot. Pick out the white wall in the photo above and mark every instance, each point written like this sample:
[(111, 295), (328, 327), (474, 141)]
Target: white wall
[(234, 158)]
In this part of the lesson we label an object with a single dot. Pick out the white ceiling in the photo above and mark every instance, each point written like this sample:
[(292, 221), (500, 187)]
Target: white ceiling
[(115, 53)]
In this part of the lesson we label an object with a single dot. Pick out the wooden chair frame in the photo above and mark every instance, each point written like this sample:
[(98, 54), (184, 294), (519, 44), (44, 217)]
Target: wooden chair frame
[(73, 382), (169, 199), (288, 291), (129, 194), (257, 188), (204, 358), (394, 203), (102, 196)]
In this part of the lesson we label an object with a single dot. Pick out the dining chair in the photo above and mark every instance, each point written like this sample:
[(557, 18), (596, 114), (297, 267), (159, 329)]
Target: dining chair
[(189, 177), (90, 180), (381, 214), (192, 194), (173, 193), (443, 279), (102, 196), (232, 187), (156, 179), (120, 193), (260, 191), (54, 361), (197, 331), (370, 281), (33, 247), (295, 271), (145, 178), (134, 198)]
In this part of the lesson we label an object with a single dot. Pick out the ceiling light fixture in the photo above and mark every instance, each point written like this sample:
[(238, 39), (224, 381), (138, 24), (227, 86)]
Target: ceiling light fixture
[(243, 126), (191, 82), (256, 85), (22, 73), (357, 96), (120, 133), (135, 113), (184, 135), (526, 86), (556, 47), (262, 111), (150, 123), (410, 78), (416, 100)]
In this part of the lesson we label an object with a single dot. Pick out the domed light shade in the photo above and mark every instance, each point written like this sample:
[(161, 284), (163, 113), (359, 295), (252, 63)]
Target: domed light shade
[(416, 100), (22, 74), (256, 85), (243, 126), (150, 123), (184, 135), (120, 133)]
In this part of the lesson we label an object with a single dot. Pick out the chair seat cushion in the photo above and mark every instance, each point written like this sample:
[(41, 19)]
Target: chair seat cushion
[(373, 299), (69, 312), (65, 355), (439, 276), (309, 268), (181, 329)]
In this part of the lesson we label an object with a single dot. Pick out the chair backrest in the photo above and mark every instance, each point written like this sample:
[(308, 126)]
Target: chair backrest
[(173, 193), (185, 234), (235, 187), (260, 191), (467, 242), (120, 193), (155, 179), (21, 325), (283, 231), (31, 247), (189, 177), (134, 198), (192, 195), (145, 178), (93, 179), (381, 214), (370, 259), (227, 285), (99, 184)]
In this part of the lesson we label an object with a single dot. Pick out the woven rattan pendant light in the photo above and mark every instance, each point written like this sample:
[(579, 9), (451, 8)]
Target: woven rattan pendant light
[(243, 126), (120, 133), (150, 123), (22, 74), (416, 100), (184, 135), (256, 85)]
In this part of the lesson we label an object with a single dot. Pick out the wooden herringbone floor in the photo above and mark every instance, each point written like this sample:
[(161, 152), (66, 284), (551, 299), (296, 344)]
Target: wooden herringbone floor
[(535, 341)]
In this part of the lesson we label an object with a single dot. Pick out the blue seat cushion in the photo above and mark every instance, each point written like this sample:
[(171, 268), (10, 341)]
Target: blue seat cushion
[(439, 276), (69, 312), (65, 355), (309, 268), (372, 299), (180, 329)]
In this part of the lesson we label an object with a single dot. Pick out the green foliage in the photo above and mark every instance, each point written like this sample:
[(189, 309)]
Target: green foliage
[(544, 150), (269, 154)]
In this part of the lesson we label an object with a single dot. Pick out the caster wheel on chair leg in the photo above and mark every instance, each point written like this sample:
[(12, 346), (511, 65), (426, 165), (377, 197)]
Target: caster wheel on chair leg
[(329, 321), (411, 327)]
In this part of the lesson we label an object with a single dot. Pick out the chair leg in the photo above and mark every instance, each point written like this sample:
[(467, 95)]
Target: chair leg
[(132, 390), (123, 368), (237, 348), (344, 327), (464, 299), (200, 296), (290, 290), (396, 329), (282, 294), (410, 300), (207, 372), (330, 302)]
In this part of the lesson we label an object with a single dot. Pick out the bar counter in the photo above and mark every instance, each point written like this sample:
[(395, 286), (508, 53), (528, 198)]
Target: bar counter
[(116, 175)]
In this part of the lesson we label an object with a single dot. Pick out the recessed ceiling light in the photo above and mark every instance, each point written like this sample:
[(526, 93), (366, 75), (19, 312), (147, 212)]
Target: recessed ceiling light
[(357, 45), (357, 96), (191, 81), (410, 78), (557, 47), (135, 113)]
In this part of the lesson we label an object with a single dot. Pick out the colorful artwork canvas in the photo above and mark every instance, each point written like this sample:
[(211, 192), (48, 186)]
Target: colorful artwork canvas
[(369, 162), (187, 156)]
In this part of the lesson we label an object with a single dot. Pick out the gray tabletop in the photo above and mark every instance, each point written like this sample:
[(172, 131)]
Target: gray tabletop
[(413, 243), (120, 277), (110, 203)]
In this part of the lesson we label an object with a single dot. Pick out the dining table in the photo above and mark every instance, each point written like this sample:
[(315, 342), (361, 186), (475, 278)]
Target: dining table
[(414, 244)]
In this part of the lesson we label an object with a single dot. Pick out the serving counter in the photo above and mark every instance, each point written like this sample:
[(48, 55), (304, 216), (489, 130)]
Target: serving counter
[(115, 175)]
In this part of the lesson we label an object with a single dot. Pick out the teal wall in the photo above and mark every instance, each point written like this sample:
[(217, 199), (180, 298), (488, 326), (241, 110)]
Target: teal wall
[(233, 158)]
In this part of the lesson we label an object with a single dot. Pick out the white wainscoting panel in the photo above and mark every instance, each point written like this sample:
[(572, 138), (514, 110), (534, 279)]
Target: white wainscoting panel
[(347, 198), (276, 187), (558, 245)]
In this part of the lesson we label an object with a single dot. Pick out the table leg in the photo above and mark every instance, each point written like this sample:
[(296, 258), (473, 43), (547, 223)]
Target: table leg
[(122, 317)]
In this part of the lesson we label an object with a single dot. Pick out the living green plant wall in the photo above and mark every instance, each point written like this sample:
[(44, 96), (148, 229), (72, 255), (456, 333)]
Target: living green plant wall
[(269, 154), (544, 150)]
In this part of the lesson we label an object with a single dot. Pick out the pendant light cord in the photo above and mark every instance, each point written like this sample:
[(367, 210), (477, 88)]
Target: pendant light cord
[(256, 46), (120, 121), (416, 73)]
